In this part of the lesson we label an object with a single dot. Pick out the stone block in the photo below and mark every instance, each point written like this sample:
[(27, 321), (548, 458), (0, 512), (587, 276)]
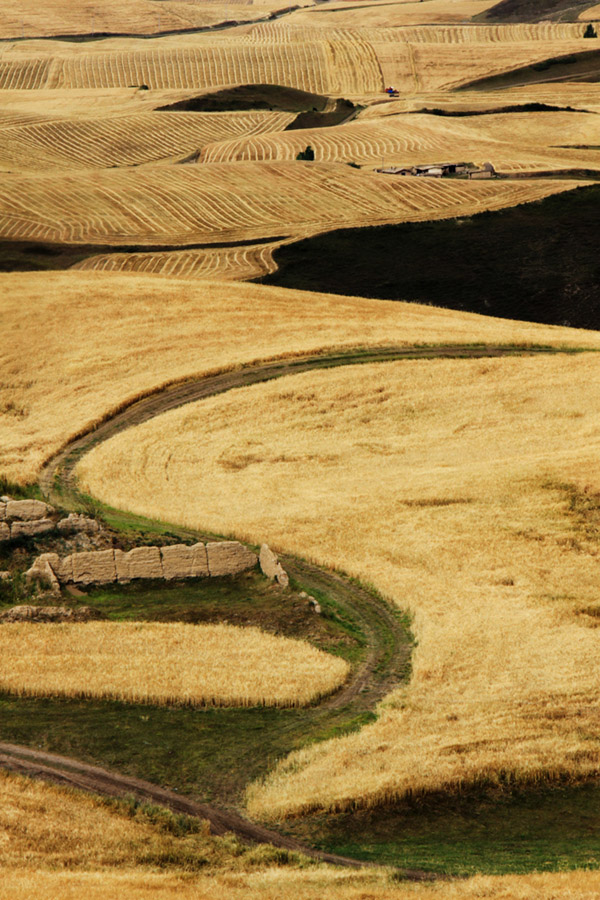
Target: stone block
[(2, 510), (4, 531), (76, 524), (144, 562), (42, 572), (27, 510), (271, 567), (122, 566), (199, 560), (20, 613), (31, 528), (63, 568), (94, 567), (229, 558), (177, 561)]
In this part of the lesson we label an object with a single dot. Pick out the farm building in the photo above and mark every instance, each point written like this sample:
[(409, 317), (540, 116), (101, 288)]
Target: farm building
[(441, 170)]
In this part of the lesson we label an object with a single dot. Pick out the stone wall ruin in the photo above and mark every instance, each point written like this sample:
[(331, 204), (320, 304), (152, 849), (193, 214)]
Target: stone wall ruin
[(117, 566)]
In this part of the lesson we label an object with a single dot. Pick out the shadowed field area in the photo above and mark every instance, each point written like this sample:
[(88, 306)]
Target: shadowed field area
[(537, 262)]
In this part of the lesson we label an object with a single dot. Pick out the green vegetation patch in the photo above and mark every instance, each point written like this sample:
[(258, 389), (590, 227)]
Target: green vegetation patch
[(243, 600), (210, 753), (536, 262), (526, 831)]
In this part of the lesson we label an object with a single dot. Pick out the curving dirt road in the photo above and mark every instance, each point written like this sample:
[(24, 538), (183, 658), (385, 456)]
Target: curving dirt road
[(387, 659)]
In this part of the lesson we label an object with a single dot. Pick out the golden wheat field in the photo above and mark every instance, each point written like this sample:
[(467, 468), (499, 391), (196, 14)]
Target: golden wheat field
[(58, 844), (124, 140), (462, 477), (28, 20), (218, 665), (283, 884), (235, 202), (313, 59), (591, 15), (461, 490), (581, 97), (101, 339), (220, 264), (515, 141)]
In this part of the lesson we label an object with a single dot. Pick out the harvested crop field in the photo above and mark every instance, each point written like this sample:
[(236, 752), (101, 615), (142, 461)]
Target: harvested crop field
[(165, 163), (124, 140), (516, 141), (474, 503), (115, 16), (85, 359), (173, 663), (221, 264), (234, 202)]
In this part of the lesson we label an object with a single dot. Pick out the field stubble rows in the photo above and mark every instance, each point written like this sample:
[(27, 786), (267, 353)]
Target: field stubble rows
[(235, 202)]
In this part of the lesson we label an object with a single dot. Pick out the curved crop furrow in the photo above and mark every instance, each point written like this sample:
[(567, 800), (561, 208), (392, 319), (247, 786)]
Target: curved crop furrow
[(24, 75), (129, 140), (242, 201)]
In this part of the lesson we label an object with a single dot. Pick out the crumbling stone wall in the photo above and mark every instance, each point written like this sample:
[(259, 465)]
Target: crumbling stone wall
[(109, 566), (31, 518)]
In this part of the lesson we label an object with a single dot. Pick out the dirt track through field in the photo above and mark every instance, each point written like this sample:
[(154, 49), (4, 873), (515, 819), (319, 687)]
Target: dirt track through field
[(386, 660)]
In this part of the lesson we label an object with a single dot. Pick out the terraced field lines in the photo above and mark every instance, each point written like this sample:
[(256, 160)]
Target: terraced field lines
[(220, 264), (27, 75), (126, 140), (210, 66), (234, 202)]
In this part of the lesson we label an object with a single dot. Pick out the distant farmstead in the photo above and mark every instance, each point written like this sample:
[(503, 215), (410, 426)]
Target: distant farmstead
[(442, 170)]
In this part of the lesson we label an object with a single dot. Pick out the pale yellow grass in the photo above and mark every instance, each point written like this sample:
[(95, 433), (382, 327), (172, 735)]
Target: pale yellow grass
[(200, 63), (49, 103), (220, 264), (591, 15), (235, 202), (281, 884), (47, 827), (332, 60), (386, 14), (447, 66), (439, 483), (138, 139), (219, 665), (579, 96), (61, 845), (76, 345), (513, 142), (136, 16), (290, 30)]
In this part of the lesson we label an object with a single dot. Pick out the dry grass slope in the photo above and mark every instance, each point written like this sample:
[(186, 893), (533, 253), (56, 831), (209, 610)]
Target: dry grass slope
[(124, 140), (59, 845), (115, 16), (234, 202), (454, 471), (514, 142), (217, 665), (220, 264), (101, 339)]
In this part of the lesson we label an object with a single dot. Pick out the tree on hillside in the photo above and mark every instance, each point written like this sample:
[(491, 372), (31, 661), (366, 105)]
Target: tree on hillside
[(308, 154), (589, 31)]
